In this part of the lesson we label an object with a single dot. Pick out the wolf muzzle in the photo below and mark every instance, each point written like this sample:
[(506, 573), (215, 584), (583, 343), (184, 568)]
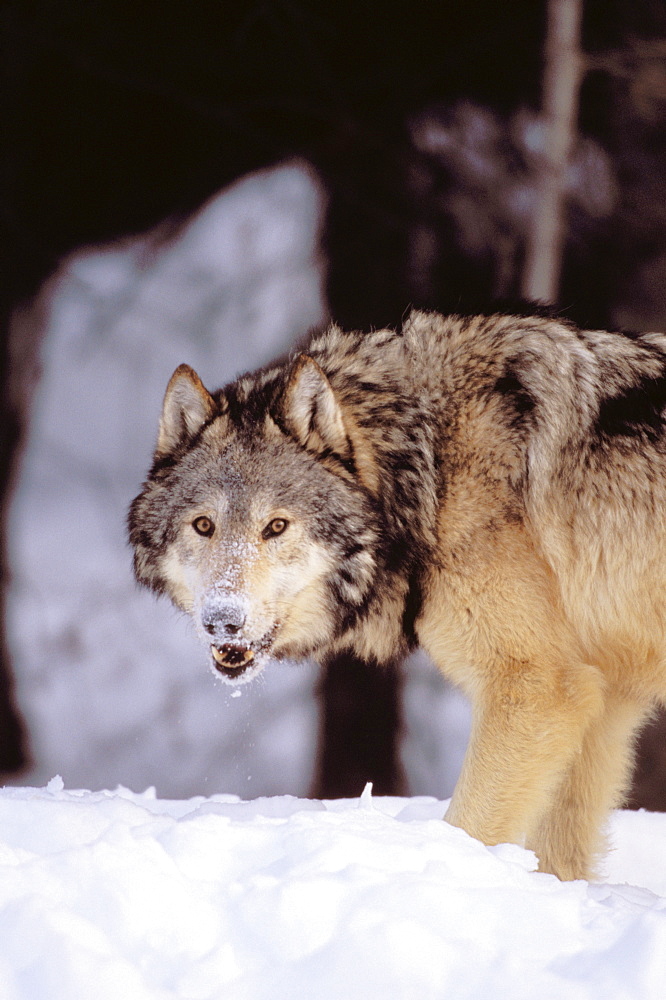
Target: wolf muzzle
[(223, 618)]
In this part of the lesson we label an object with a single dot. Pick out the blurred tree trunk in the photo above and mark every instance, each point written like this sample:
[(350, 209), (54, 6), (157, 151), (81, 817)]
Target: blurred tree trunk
[(366, 239), (561, 86), (563, 73), (360, 729)]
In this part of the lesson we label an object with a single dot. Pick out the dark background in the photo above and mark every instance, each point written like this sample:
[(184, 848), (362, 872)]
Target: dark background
[(117, 116)]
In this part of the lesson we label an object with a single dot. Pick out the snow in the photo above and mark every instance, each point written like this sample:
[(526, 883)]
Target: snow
[(117, 894)]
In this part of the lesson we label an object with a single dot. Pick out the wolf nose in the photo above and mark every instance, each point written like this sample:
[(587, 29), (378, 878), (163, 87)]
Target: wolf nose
[(227, 618)]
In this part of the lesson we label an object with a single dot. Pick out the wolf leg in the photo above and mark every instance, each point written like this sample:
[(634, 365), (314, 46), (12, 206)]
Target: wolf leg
[(570, 834), (524, 739)]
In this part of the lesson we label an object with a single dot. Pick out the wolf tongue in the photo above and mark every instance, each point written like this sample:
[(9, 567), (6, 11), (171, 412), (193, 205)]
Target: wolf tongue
[(232, 656)]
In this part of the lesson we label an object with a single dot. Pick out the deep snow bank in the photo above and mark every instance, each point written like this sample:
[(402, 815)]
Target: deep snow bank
[(113, 894)]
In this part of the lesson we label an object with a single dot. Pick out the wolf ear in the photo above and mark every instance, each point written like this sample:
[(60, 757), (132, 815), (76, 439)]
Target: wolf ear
[(187, 407), (310, 410)]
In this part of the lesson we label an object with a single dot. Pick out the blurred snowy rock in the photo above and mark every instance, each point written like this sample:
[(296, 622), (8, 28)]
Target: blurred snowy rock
[(113, 684)]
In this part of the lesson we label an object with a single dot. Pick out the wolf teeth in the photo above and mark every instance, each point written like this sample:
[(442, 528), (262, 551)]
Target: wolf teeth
[(217, 655), (232, 656)]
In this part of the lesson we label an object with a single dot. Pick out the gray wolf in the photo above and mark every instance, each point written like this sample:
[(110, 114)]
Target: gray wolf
[(491, 488)]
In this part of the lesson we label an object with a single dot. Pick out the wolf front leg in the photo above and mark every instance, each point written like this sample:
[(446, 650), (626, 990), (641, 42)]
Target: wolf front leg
[(570, 835), (494, 622), (529, 725)]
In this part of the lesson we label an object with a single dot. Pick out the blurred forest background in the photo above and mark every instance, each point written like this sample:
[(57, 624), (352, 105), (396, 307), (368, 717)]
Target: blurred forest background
[(205, 182)]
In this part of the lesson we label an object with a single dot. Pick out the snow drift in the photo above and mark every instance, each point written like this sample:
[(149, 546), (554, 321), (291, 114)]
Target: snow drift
[(116, 894)]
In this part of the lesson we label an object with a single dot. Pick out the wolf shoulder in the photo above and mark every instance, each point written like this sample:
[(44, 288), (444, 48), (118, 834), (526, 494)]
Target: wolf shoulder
[(576, 403)]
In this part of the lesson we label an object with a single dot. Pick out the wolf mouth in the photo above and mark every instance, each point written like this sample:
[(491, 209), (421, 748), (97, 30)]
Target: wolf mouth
[(232, 659)]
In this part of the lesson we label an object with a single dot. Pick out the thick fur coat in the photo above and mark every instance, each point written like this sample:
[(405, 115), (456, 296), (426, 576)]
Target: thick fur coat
[(491, 488)]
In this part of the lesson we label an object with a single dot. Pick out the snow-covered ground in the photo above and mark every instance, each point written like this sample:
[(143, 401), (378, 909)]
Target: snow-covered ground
[(117, 895)]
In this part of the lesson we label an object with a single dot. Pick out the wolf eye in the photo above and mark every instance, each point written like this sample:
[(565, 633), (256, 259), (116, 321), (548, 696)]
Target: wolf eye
[(276, 527), (203, 526)]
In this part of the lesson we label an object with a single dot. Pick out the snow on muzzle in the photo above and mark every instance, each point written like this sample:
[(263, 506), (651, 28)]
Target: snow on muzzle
[(223, 618)]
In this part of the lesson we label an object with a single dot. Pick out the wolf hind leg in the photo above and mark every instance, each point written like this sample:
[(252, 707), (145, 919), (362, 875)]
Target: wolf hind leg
[(569, 837), (525, 737)]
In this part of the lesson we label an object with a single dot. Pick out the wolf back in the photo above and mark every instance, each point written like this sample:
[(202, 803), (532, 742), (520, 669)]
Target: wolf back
[(491, 488)]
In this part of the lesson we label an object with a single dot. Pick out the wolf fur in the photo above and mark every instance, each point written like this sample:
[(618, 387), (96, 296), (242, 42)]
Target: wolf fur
[(491, 488)]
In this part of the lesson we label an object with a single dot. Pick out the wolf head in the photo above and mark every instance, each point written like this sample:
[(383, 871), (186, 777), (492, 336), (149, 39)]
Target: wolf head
[(254, 519)]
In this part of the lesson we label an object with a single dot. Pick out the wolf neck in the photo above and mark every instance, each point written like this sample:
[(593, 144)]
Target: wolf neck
[(379, 390), (382, 398)]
